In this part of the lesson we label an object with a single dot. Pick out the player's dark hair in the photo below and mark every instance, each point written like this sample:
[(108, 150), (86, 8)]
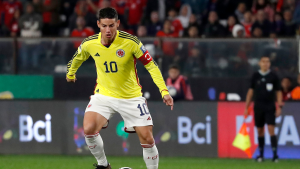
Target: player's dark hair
[(109, 13), (264, 56), (174, 66)]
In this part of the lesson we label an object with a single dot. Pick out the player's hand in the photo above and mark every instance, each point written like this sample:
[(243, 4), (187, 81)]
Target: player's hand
[(71, 80), (168, 100), (246, 113), (278, 112)]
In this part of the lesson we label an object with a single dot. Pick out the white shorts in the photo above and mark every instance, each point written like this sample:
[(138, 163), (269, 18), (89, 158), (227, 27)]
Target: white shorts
[(134, 111)]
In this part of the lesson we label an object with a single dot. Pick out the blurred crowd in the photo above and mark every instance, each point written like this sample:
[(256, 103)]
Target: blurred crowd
[(290, 89), (149, 18)]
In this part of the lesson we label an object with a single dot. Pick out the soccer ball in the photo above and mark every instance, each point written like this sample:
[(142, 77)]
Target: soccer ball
[(125, 168)]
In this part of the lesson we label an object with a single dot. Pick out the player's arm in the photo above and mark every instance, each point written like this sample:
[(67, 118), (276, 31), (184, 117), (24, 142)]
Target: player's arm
[(249, 96), (279, 96), (79, 57), (143, 55)]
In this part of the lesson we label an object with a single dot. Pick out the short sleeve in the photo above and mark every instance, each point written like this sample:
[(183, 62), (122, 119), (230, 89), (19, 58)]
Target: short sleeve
[(252, 82)]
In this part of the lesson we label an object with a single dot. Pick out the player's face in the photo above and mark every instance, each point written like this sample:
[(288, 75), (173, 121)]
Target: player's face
[(264, 63), (174, 73), (108, 27)]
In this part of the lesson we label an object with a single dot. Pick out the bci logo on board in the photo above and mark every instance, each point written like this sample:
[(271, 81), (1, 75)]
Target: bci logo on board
[(28, 130), (188, 132), (286, 130)]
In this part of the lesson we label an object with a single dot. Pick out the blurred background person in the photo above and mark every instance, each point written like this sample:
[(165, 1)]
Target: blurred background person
[(178, 85), (286, 88), (31, 25), (81, 30), (142, 31), (195, 63), (295, 93), (213, 28), (240, 11), (154, 24), (247, 23), (289, 26), (262, 23), (238, 31), (9, 9), (231, 21)]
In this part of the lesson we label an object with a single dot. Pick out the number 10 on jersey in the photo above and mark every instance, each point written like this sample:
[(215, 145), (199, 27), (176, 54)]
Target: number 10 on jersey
[(113, 67)]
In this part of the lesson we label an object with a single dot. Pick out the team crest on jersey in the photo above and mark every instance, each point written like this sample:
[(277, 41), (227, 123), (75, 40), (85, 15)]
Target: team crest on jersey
[(120, 53)]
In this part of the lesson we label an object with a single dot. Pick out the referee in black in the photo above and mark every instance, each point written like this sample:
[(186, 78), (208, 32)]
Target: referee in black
[(265, 87)]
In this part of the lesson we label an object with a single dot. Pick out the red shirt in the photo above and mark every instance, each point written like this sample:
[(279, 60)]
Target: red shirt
[(168, 46), (9, 10), (135, 11), (81, 33), (47, 15), (247, 27), (177, 26)]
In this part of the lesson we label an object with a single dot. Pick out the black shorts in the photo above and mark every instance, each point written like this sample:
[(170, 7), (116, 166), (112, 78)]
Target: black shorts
[(264, 114)]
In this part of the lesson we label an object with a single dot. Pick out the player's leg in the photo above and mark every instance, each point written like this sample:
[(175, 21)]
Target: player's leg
[(270, 118), (150, 151), (259, 119), (92, 124)]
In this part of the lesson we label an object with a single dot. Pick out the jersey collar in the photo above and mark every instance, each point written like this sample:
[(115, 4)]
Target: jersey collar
[(264, 73), (114, 42)]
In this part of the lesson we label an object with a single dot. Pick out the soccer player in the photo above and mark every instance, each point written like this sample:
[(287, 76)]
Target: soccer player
[(265, 87), (117, 89)]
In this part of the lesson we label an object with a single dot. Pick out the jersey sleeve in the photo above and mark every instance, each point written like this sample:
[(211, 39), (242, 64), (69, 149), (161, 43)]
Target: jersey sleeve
[(144, 56), (80, 56), (252, 82)]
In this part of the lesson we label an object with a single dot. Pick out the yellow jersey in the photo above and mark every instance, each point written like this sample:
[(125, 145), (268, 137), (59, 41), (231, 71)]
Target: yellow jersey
[(116, 65)]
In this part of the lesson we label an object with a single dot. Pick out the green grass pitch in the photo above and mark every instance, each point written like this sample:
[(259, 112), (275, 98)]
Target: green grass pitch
[(85, 162)]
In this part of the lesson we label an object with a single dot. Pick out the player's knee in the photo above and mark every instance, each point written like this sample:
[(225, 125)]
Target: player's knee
[(90, 129), (148, 139)]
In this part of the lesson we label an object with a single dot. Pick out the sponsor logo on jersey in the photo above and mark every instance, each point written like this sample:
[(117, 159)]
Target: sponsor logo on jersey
[(97, 54), (143, 49), (120, 53)]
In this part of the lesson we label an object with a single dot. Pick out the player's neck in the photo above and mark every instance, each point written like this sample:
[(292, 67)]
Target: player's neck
[(107, 41)]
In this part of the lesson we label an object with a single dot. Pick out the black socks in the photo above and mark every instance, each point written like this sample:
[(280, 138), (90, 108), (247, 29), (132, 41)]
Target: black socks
[(274, 145), (261, 144)]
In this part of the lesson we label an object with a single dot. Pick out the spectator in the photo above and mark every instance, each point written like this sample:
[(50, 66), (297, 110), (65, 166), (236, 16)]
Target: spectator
[(154, 25), (50, 10), (134, 13), (193, 22), (167, 30), (238, 31), (176, 24), (286, 88), (162, 7), (81, 30), (231, 21), (278, 24), (184, 15), (263, 5), (13, 27), (31, 24), (247, 23), (95, 7), (199, 7), (213, 28), (142, 31), (257, 33), (178, 85), (193, 32), (295, 93), (240, 12), (289, 26), (167, 46), (296, 15), (195, 63), (9, 8), (262, 23), (81, 9)]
